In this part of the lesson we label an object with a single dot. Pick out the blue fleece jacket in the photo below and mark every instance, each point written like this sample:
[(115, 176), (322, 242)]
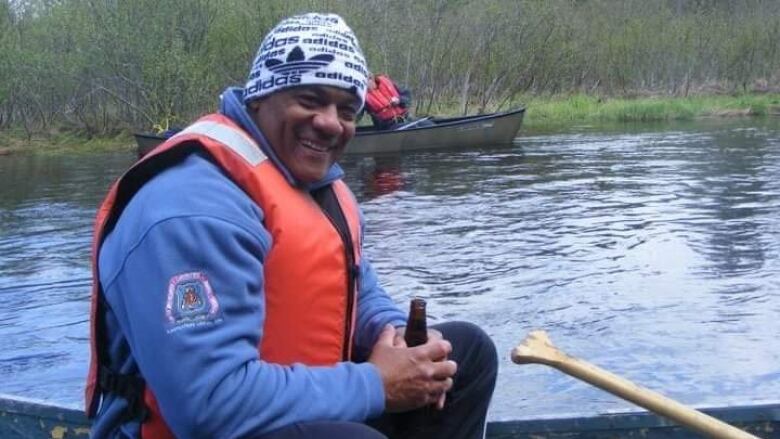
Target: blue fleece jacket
[(208, 378)]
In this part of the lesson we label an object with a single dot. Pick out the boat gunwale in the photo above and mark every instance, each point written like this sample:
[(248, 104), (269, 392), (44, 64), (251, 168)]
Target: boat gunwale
[(762, 417), (633, 420), (440, 123), (19, 405)]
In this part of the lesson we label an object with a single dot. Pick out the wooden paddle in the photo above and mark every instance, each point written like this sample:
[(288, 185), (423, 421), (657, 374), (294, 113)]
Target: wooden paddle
[(537, 348)]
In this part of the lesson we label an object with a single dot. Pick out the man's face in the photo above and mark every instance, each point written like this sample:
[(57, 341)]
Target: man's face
[(308, 127)]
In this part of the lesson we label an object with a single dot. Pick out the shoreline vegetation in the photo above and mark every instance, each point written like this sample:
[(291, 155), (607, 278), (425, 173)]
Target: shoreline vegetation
[(83, 75), (543, 115), (557, 114)]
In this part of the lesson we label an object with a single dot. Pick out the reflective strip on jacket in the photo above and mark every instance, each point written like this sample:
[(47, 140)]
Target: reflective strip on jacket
[(314, 265), (379, 100)]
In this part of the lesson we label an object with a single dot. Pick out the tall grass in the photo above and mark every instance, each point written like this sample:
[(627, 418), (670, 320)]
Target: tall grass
[(563, 110)]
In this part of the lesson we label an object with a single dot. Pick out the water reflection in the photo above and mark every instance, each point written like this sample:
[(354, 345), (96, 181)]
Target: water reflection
[(650, 251), (734, 190), (380, 175)]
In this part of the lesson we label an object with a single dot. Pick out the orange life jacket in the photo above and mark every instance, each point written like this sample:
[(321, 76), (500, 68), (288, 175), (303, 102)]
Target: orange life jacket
[(379, 101), (308, 256)]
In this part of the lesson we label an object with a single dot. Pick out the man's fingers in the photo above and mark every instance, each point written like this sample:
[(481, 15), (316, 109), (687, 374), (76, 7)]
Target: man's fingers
[(435, 334), (437, 393), (444, 370), (387, 335), (398, 339), (440, 401), (435, 350)]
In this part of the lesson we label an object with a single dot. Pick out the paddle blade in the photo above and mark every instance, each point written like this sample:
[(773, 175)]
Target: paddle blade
[(536, 348)]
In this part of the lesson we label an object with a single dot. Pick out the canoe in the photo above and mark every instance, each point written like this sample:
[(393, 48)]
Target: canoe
[(31, 419), (762, 420), (449, 132), (446, 133), (146, 142)]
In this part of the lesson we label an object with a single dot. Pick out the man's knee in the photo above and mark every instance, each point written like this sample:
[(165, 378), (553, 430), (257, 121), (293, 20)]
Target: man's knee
[(359, 431), (325, 429), (470, 342)]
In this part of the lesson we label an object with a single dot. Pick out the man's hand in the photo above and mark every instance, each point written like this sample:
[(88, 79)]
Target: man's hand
[(413, 377), (433, 334)]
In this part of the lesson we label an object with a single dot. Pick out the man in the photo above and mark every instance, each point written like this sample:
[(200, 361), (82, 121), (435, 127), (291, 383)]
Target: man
[(386, 103), (231, 296)]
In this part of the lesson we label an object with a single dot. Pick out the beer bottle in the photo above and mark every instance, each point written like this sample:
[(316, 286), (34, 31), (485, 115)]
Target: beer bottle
[(415, 335), (416, 327)]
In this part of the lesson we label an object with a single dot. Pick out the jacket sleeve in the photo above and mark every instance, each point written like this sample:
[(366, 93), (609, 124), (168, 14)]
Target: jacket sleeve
[(204, 369), (375, 309)]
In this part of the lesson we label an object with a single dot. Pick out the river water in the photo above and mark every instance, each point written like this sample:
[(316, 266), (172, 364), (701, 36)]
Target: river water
[(651, 251)]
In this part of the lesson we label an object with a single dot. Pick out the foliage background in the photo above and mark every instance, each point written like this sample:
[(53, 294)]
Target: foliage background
[(102, 67)]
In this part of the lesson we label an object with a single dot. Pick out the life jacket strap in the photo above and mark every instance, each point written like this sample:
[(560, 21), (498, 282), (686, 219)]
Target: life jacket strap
[(129, 387)]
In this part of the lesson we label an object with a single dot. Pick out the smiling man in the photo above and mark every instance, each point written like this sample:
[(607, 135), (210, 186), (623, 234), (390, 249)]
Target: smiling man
[(308, 126), (231, 296)]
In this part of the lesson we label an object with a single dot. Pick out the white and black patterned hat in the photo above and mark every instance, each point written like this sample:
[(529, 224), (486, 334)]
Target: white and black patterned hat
[(308, 49)]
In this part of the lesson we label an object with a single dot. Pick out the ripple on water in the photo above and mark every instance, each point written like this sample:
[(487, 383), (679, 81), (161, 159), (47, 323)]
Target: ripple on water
[(652, 254)]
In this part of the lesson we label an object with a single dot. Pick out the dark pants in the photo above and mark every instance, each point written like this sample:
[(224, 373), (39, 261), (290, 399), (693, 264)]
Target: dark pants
[(464, 412)]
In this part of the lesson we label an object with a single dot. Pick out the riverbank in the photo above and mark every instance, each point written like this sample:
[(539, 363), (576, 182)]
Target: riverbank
[(548, 114), (15, 142), (552, 114)]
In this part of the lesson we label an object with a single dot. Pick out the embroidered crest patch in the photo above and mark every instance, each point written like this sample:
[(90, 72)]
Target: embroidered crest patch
[(191, 302)]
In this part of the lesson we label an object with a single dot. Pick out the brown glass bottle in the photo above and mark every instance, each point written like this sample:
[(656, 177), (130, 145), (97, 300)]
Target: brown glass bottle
[(415, 335), (416, 326)]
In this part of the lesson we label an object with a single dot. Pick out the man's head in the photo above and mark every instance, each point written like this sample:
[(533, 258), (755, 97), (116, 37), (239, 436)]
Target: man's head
[(305, 89)]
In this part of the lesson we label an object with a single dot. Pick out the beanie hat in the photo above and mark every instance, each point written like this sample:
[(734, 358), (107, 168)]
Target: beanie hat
[(308, 49)]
